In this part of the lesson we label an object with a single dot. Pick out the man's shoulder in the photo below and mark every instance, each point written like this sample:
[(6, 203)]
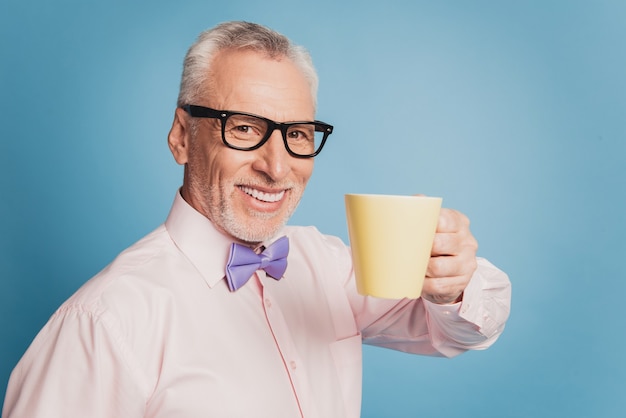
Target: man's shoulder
[(123, 294), (149, 249), (134, 265)]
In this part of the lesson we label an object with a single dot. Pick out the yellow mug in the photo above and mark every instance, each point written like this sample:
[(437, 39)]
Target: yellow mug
[(391, 238)]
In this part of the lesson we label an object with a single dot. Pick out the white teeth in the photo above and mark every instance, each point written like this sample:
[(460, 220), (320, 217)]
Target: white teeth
[(262, 196)]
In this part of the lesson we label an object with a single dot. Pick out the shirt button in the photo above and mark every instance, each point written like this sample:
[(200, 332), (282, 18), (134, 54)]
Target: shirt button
[(268, 302), (293, 365)]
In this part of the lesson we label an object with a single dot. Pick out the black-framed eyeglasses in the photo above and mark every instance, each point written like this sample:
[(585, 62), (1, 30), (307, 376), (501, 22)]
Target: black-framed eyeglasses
[(247, 132)]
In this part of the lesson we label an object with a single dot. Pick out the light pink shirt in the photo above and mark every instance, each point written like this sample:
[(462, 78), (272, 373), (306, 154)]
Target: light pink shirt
[(158, 333)]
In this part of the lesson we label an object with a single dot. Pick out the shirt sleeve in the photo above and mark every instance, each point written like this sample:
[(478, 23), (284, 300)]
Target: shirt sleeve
[(77, 366), (477, 321), (422, 327)]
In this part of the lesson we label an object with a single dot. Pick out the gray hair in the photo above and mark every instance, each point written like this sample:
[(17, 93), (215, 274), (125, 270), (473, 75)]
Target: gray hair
[(238, 35)]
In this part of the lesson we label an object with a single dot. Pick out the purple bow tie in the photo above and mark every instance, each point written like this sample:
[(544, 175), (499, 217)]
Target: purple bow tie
[(243, 262)]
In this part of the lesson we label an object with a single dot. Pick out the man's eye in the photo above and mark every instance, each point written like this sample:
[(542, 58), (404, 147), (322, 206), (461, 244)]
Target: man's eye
[(243, 129), (298, 135)]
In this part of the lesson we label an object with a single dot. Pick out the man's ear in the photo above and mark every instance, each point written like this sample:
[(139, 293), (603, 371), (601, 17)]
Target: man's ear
[(178, 138)]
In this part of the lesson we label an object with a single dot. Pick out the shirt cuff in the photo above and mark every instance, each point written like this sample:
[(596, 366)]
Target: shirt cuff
[(467, 324)]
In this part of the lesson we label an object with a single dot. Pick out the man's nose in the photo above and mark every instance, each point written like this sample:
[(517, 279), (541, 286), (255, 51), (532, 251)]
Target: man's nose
[(273, 158)]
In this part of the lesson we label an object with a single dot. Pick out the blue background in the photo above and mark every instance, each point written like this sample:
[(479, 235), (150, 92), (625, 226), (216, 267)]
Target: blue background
[(513, 112)]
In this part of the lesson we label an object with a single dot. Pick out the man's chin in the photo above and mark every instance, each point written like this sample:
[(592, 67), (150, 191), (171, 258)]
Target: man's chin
[(257, 229), (256, 237)]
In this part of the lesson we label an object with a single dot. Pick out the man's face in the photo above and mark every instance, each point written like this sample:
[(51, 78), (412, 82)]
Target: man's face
[(249, 195)]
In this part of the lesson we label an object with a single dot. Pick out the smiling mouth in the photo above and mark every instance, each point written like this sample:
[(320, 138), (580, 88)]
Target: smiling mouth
[(263, 196)]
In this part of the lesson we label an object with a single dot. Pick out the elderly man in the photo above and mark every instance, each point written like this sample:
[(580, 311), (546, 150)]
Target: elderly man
[(171, 328)]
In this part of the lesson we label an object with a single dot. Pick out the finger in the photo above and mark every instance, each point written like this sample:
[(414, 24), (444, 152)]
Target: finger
[(444, 290), (447, 278), (454, 243), (451, 220), (445, 244), (452, 266)]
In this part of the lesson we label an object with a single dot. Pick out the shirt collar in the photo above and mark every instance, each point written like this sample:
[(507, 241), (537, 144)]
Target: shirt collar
[(198, 239)]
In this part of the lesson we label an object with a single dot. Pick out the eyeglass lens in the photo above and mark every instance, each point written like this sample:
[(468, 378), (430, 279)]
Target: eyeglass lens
[(246, 131)]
